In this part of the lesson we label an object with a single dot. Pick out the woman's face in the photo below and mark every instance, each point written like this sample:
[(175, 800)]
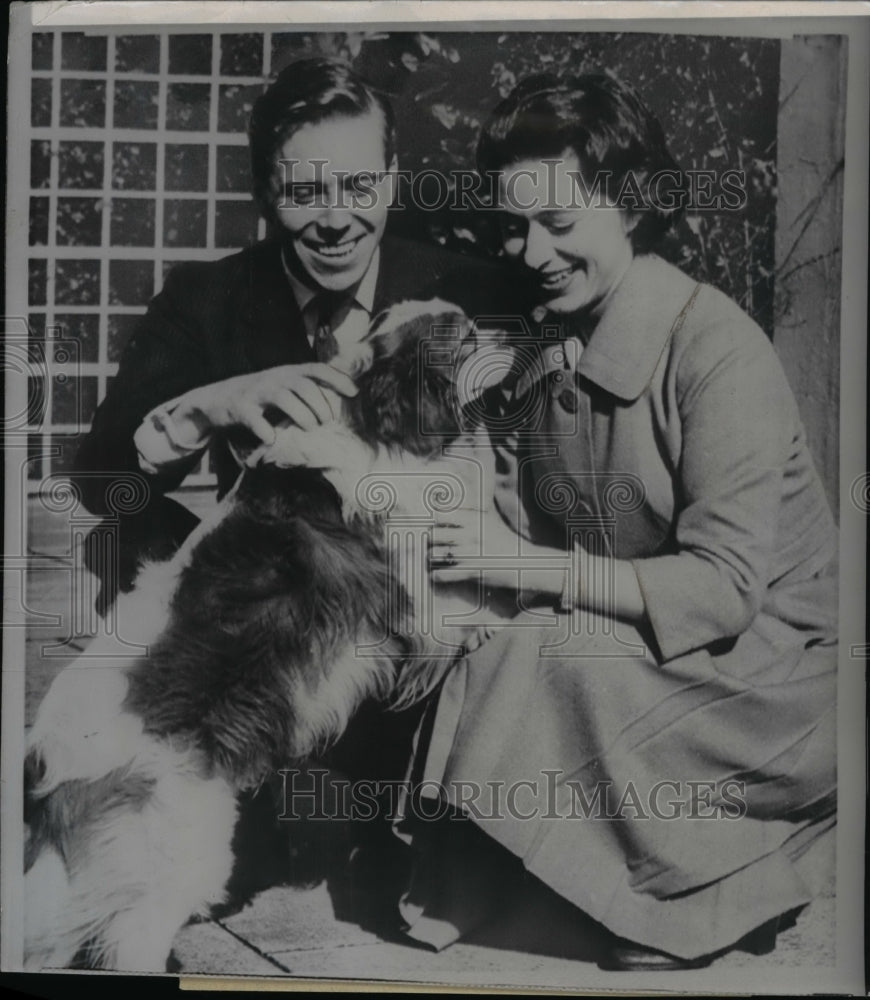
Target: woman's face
[(574, 246)]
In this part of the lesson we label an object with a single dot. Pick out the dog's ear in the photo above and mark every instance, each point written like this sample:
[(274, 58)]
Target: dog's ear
[(408, 398), (386, 402), (439, 412), (485, 359), (414, 321)]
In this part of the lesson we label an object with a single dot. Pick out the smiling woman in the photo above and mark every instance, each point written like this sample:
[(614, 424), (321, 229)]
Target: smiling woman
[(576, 255), (656, 438), (574, 157)]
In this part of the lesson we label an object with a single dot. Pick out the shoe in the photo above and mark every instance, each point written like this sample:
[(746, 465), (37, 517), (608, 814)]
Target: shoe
[(366, 889), (626, 956), (762, 941)]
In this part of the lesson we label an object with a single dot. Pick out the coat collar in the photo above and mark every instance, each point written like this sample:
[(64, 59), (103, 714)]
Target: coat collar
[(627, 343)]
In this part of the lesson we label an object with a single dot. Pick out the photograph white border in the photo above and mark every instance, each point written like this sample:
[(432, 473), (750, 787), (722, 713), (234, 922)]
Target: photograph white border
[(767, 19)]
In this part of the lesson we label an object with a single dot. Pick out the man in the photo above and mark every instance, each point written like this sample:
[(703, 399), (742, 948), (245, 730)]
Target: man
[(225, 344), (228, 346)]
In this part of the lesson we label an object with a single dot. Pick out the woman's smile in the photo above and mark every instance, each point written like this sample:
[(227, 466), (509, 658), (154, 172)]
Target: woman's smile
[(557, 280), (576, 254)]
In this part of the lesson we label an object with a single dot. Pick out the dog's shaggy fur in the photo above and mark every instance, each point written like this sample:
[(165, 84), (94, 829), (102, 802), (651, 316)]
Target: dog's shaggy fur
[(252, 631)]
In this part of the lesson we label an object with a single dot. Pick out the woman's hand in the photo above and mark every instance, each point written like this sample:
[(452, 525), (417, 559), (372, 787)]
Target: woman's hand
[(479, 545), (474, 544)]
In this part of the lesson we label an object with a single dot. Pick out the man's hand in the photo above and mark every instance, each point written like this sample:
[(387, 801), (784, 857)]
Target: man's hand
[(307, 394)]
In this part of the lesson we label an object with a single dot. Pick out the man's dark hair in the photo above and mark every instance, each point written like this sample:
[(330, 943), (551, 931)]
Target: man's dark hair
[(307, 92), (605, 124)]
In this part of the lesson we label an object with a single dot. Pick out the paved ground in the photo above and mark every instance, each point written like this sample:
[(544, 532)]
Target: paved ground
[(304, 932)]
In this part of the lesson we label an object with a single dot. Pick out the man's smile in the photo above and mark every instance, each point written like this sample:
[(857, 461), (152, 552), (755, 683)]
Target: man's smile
[(332, 250)]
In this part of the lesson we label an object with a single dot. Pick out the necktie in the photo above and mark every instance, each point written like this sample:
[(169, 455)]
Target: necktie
[(325, 344)]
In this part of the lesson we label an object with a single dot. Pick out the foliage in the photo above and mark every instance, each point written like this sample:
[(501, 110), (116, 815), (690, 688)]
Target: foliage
[(716, 98)]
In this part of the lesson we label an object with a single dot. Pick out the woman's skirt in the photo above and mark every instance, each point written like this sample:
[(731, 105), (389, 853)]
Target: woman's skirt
[(670, 801)]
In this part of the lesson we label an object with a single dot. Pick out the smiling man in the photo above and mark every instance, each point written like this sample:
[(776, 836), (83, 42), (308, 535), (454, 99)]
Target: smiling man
[(332, 220), (228, 347)]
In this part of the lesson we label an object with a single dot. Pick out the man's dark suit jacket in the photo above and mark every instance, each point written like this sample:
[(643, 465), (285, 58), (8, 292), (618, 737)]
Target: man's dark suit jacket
[(214, 320)]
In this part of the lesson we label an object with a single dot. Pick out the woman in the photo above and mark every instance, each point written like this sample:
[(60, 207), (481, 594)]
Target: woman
[(671, 753)]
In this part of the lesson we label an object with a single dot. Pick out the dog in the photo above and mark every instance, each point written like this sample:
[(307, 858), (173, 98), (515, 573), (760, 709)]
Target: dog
[(279, 616)]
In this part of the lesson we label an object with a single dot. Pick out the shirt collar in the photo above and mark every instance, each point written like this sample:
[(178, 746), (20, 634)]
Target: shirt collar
[(624, 349), (364, 296)]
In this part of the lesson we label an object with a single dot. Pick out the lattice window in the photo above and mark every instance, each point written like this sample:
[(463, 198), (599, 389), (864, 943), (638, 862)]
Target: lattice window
[(138, 160)]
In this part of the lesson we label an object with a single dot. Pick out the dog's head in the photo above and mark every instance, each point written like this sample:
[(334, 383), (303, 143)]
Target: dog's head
[(420, 375), (429, 363)]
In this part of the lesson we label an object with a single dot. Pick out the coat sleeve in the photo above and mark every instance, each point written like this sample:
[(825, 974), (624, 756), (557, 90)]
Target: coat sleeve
[(739, 423), (167, 355)]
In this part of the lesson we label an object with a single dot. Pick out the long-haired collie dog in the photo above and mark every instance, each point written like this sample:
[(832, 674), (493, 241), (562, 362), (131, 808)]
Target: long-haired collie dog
[(266, 631)]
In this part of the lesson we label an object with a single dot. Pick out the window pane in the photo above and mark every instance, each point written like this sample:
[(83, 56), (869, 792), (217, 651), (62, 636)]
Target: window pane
[(184, 223), (42, 50), (37, 282), (187, 106), (40, 102), (77, 282), (84, 329), (80, 164), (132, 222), (137, 54), (136, 104), (134, 166), (79, 222), (190, 54), (233, 168), (131, 282), (38, 235), (186, 167), (83, 103), (40, 163), (242, 55), (81, 51), (121, 328), (235, 223)]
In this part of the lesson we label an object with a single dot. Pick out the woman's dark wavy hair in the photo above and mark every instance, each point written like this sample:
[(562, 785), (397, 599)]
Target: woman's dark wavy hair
[(606, 125), (307, 92)]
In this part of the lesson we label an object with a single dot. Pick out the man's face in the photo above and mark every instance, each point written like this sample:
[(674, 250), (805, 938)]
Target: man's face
[(333, 198), (575, 253)]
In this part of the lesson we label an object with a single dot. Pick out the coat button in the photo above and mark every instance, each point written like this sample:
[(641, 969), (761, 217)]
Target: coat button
[(569, 400)]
